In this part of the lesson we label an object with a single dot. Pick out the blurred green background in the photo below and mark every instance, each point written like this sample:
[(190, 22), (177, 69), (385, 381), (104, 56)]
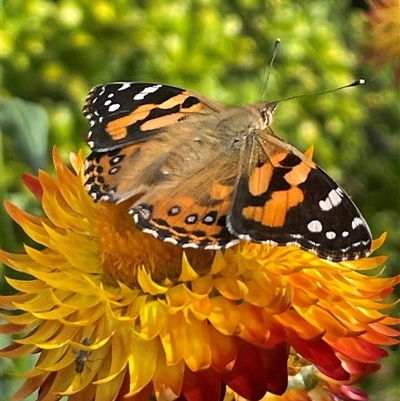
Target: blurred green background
[(53, 52)]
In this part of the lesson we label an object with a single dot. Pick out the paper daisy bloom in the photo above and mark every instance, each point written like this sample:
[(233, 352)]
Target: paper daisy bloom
[(116, 314)]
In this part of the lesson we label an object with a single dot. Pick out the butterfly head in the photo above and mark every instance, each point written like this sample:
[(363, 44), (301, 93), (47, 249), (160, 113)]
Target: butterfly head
[(267, 111)]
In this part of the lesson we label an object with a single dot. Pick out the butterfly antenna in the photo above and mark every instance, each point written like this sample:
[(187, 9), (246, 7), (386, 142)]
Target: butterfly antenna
[(267, 71), (321, 92)]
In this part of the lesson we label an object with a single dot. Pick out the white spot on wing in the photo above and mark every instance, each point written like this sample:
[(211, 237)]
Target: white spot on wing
[(151, 232), (330, 235), (356, 222), (335, 196), (269, 242), (125, 85), (171, 240), (190, 245), (314, 226), (213, 247), (150, 89), (333, 199), (294, 243), (230, 243), (114, 107), (191, 219), (325, 205)]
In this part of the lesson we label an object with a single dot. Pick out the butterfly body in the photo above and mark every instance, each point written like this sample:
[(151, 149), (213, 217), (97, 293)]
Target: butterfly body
[(209, 177)]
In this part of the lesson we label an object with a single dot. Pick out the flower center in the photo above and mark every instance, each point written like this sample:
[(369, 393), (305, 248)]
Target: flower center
[(123, 249)]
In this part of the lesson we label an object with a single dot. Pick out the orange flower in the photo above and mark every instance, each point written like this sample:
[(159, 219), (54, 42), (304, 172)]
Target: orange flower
[(116, 314), (384, 17)]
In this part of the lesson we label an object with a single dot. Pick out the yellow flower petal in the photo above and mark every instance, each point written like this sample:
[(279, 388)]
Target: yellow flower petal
[(171, 322)]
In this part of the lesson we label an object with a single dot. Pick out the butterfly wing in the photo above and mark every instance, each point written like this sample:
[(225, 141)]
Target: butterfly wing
[(192, 214), (190, 206), (121, 113), (209, 179), (284, 198), (133, 128)]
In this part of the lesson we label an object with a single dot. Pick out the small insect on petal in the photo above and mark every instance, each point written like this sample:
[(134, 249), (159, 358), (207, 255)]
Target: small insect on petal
[(82, 356)]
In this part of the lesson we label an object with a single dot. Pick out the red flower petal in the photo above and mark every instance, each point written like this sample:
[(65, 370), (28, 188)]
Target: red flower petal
[(257, 371), (359, 350), (33, 184), (202, 385), (321, 355), (275, 365)]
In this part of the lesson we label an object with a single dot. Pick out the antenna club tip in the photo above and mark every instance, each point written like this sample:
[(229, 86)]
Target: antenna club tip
[(360, 81), (278, 40)]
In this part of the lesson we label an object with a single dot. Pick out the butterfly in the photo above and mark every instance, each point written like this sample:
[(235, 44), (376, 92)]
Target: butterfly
[(207, 176)]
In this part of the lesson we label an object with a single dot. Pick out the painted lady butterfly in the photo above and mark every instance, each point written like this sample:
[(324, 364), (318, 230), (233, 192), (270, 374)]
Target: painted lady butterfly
[(210, 176)]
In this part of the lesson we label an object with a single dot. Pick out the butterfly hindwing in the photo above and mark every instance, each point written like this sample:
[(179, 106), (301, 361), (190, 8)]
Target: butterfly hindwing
[(192, 214), (183, 222), (106, 174)]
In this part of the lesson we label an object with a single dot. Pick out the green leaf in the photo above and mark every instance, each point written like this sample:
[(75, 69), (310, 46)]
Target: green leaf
[(27, 124)]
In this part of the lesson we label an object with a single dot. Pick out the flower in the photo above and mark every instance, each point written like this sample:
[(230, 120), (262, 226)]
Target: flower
[(116, 314), (384, 18)]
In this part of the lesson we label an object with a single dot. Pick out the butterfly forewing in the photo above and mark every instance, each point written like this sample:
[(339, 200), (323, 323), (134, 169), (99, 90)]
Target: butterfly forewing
[(209, 177), (121, 113), (287, 199)]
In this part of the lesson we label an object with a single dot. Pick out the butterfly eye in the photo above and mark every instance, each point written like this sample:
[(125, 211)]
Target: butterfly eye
[(267, 112), (266, 116)]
